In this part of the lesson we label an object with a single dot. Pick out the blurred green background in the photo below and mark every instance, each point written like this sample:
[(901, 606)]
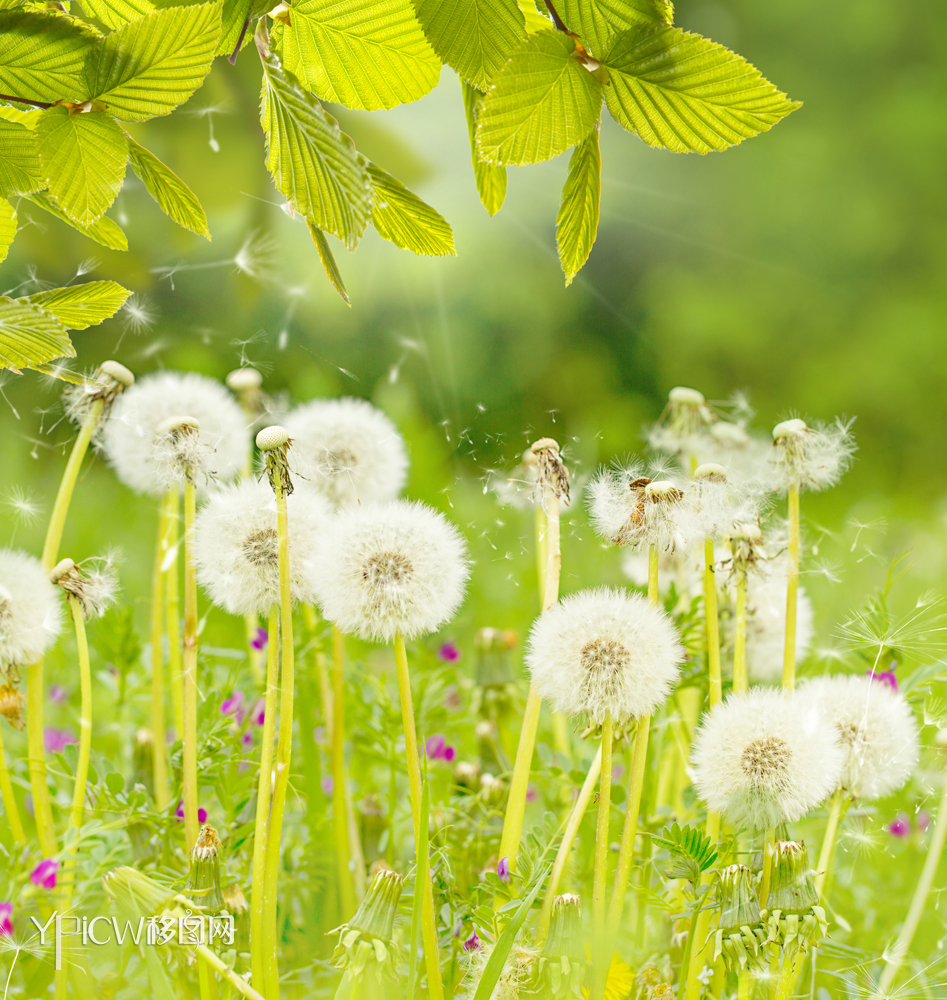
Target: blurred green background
[(805, 267)]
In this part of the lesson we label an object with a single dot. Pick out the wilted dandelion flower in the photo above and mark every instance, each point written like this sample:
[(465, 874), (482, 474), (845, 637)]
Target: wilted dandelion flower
[(810, 458), (30, 611), (683, 423), (604, 652), (349, 450), (236, 545), (108, 382), (137, 444), (765, 757), (877, 729), (382, 569), (94, 584)]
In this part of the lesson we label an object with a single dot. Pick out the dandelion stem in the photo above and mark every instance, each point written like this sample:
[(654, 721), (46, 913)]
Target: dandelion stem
[(840, 802), (701, 953), (768, 842), (158, 726), (340, 819), (173, 609), (85, 734), (600, 872), (189, 672), (560, 724), (792, 590), (740, 678), (919, 901), (565, 846), (713, 629), (688, 983), (9, 799), (428, 929), (264, 791)]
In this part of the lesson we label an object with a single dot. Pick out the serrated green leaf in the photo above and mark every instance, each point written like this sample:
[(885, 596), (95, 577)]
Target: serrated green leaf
[(235, 23), (78, 307), (474, 37), (173, 196), (691, 850), (490, 179), (104, 230), (314, 164), (577, 219), (536, 19), (20, 170), (29, 117), (365, 55), (29, 336), (115, 13), (83, 157), (682, 92), (542, 102), (327, 258), (43, 57), (599, 23), (402, 218), (7, 227), (153, 65)]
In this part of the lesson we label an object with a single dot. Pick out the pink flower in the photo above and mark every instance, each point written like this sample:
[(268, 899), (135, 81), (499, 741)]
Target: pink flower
[(261, 638), (472, 943), (530, 793), (6, 921), (923, 821), (179, 813), (247, 739), (617, 771), (58, 694), (449, 653), (884, 677), (233, 705), (900, 827), (328, 784), (44, 874), (503, 869), (57, 740), (436, 748), (258, 712)]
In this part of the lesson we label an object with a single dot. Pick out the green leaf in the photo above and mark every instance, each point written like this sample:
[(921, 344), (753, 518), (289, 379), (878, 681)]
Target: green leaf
[(490, 179), (115, 782), (314, 165), (577, 219), (7, 227), (543, 102), (30, 336), (681, 92), (115, 13), (78, 307), (103, 230), (600, 22), (235, 29), (43, 56), (474, 37), (327, 257), (149, 67), (691, 850), (20, 170), (83, 157), (173, 196), (364, 55), (402, 218), (536, 20)]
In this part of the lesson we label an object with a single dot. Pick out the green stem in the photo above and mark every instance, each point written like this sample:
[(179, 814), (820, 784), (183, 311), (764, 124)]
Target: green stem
[(600, 872), (340, 819), (85, 720), (787, 977), (189, 672), (840, 802), (170, 563), (9, 799), (702, 918), (687, 983), (224, 970), (36, 759), (428, 928), (744, 986), (768, 842), (792, 590), (713, 628), (158, 726), (740, 677), (264, 793)]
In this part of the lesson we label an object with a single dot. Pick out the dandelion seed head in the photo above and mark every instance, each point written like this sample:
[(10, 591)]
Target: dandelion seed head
[(684, 420), (349, 450), (604, 652), (766, 622), (30, 610), (236, 545), (811, 458), (94, 584), (765, 757), (878, 733), (388, 568)]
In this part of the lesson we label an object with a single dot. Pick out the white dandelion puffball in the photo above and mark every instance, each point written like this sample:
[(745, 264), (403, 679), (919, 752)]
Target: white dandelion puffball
[(766, 624), (765, 757), (685, 420), (349, 450), (811, 458), (877, 729), (133, 438), (30, 609), (604, 652), (236, 545), (388, 568)]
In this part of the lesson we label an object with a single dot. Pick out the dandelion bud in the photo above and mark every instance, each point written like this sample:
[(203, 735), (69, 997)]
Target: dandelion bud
[(366, 949), (562, 963), (203, 883), (94, 586), (30, 612), (711, 472), (739, 934), (812, 458), (243, 379), (235, 901), (794, 920)]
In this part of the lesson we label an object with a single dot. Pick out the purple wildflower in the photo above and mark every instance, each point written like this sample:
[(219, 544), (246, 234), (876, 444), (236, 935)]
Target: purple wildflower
[(179, 813), (901, 826), (530, 793), (247, 739), (503, 869), (261, 638), (436, 748), (328, 784), (472, 943), (233, 705), (6, 920), (886, 677), (58, 694), (44, 874), (258, 712), (57, 740), (449, 653)]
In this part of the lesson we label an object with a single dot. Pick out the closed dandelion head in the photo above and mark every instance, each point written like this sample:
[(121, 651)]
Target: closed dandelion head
[(391, 568), (685, 420), (149, 456), (765, 757), (810, 458), (236, 546), (604, 652), (878, 733), (247, 385), (349, 450), (30, 611), (93, 583), (106, 384)]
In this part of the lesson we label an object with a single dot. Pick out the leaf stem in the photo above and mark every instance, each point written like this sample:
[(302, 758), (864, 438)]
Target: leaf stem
[(556, 19), (26, 100)]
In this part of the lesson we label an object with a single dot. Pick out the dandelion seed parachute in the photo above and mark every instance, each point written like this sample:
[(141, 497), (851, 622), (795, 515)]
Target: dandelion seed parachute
[(133, 437), (349, 450), (382, 569), (236, 545), (811, 458), (604, 652), (877, 729), (30, 609), (765, 757)]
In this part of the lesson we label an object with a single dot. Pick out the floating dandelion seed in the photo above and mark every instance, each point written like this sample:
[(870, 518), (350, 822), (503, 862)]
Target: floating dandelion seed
[(24, 507), (138, 314), (876, 628)]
